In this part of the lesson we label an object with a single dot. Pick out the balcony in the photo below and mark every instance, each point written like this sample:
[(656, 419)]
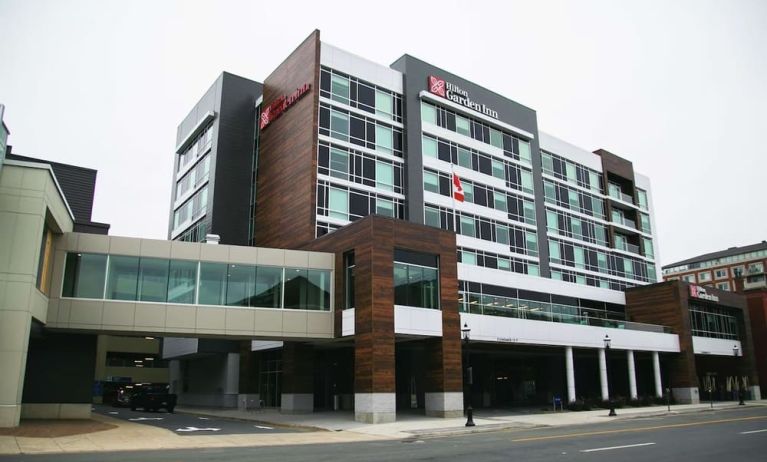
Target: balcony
[(623, 221)]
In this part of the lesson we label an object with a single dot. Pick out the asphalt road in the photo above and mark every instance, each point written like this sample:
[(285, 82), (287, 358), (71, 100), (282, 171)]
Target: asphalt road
[(714, 436), (186, 424)]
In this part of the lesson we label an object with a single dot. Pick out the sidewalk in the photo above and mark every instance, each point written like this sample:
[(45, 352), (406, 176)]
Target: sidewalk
[(332, 427)]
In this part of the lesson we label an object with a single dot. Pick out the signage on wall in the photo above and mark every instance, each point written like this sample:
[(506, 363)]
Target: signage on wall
[(456, 94), (700, 292), (271, 112)]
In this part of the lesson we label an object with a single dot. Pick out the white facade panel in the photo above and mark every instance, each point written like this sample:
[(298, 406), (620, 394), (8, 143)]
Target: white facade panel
[(360, 67), (569, 151), (347, 322), (715, 346), (417, 321), (524, 331)]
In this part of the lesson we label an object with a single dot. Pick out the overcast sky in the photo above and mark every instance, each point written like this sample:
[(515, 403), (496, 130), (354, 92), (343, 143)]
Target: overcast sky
[(677, 87)]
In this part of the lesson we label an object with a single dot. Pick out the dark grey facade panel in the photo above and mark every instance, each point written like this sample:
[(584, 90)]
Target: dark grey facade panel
[(208, 102), (60, 368), (77, 183), (232, 165), (416, 73)]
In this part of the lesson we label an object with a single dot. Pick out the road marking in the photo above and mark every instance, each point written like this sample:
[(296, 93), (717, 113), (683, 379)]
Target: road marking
[(753, 431), (195, 429), (138, 419), (203, 418), (626, 430), (618, 447), (113, 412), (264, 427)]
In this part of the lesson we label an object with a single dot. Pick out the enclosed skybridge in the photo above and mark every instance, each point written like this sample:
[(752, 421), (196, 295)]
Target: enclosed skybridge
[(121, 285)]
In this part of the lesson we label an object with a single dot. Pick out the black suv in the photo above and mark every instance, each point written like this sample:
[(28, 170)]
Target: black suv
[(152, 398)]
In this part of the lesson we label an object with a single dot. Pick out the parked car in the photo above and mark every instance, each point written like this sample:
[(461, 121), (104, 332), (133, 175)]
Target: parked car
[(122, 396), (152, 398)]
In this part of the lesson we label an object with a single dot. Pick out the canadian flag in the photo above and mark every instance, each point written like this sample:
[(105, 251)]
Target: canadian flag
[(457, 188)]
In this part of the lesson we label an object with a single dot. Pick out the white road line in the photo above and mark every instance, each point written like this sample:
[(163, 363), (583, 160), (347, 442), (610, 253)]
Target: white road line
[(753, 431), (618, 447), (264, 427)]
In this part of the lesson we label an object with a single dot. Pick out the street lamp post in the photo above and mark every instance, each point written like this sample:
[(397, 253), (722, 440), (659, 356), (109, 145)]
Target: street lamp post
[(736, 351), (469, 376), (608, 341)]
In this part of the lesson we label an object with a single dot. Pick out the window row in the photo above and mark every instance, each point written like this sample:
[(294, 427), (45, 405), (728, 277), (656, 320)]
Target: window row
[(360, 94), (446, 151), (358, 167), (360, 130), (574, 200), (350, 204), (565, 224), (719, 261), (713, 322), (519, 240), (571, 172), (193, 178), (196, 233), (115, 277), (197, 148), (513, 146), (517, 208), (588, 280), (576, 256), (495, 261), (192, 209), (642, 199), (490, 296)]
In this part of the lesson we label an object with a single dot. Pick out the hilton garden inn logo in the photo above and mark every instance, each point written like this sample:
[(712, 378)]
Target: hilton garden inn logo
[(456, 94), (700, 292)]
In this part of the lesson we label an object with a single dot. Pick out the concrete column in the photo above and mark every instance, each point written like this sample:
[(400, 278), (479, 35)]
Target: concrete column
[(14, 342), (570, 370), (632, 374), (603, 374), (656, 374), (232, 381)]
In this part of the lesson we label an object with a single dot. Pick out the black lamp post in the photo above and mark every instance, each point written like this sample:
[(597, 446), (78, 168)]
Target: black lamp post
[(741, 393), (609, 376), (469, 376)]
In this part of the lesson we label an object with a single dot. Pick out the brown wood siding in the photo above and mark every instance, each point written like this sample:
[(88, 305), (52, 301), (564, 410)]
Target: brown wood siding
[(757, 310), (373, 240), (287, 170)]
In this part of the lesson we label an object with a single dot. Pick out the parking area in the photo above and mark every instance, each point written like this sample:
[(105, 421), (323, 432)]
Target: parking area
[(187, 424)]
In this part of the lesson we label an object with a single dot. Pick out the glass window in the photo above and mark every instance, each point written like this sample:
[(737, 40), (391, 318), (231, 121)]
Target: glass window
[(504, 264), (123, 278), (499, 170), (240, 285), (549, 192), (431, 182), (500, 201), (547, 162), (384, 104), (533, 270), (552, 221), (416, 286), (704, 276), (338, 204), (645, 222), (602, 261), (384, 176), (339, 89), (212, 284), (182, 280), (524, 151), (469, 258), (572, 177), (468, 192), (339, 163), (153, 280), (554, 255), (464, 157), (502, 234), (496, 138), (384, 207), (431, 217), (349, 264), (573, 200), (462, 125), (531, 243), (648, 250), (268, 287), (339, 125), (580, 259), (575, 224), (428, 113), (642, 196), (467, 227), (429, 146), (594, 182), (597, 206), (84, 275), (527, 181), (307, 289), (400, 284), (529, 211), (383, 138)]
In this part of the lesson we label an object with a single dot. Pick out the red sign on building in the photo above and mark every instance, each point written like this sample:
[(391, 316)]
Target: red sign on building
[(271, 112), (437, 86)]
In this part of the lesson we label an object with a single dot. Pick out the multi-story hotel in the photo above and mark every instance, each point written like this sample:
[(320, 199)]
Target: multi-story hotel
[(360, 221)]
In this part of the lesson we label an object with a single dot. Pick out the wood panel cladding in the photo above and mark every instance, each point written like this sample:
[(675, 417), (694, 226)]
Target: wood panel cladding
[(373, 240), (667, 303), (297, 368), (616, 165), (287, 166)]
